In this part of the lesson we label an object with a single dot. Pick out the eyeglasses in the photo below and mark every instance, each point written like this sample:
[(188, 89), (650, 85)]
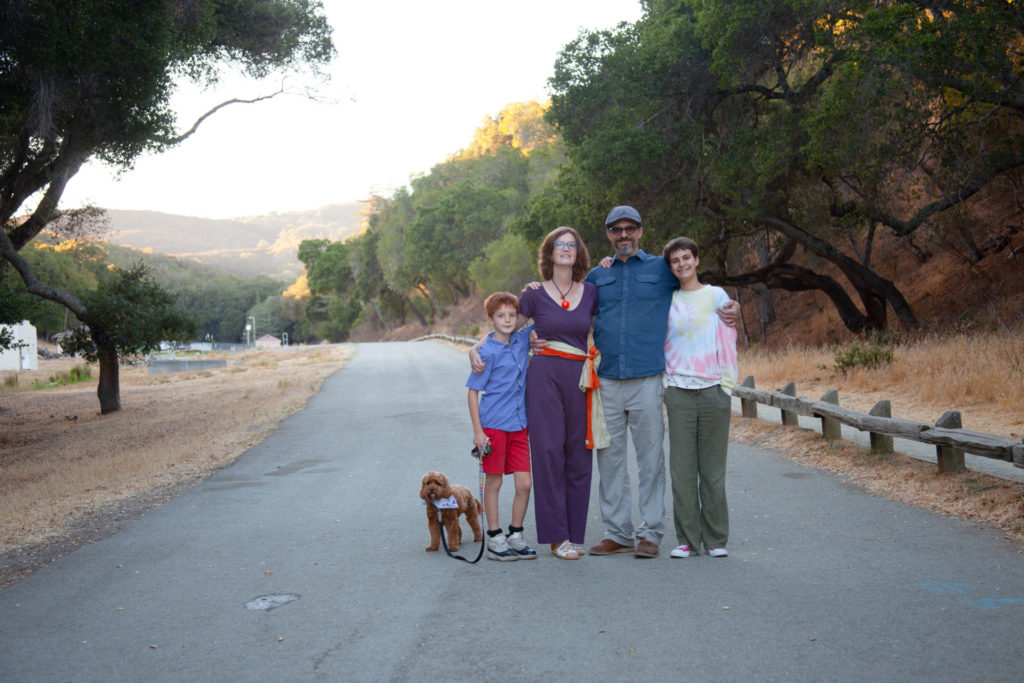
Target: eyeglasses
[(566, 244), (629, 230)]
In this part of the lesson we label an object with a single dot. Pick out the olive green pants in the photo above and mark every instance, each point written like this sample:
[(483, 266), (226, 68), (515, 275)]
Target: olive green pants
[(698, 437)]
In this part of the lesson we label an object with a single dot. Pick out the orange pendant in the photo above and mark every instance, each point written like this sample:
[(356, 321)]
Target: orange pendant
[(565, 304)]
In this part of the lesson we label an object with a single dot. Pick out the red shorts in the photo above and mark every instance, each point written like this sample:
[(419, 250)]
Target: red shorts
[(510, 452)]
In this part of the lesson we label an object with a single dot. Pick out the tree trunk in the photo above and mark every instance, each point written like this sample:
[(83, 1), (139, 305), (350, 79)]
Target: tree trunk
[(415, 311), (799, 279), (869, 285), (109, 389), (380, 316)]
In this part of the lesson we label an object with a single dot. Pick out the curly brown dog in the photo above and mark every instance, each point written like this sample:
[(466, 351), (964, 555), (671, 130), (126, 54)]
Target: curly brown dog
[(435, 486)]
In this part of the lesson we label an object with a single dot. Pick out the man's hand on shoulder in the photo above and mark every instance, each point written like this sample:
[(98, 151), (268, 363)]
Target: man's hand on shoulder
[(730, 313)]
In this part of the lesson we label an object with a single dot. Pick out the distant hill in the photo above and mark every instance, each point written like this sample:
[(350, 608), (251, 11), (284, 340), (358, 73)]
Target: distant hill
[(250, 245)]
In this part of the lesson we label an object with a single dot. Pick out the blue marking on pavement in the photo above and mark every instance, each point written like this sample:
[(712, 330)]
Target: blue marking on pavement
[(994, 603), (941, 587), (957, 588)]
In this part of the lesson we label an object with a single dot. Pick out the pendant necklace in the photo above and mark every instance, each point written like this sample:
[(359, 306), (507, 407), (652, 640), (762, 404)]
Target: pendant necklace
[(565, 303)]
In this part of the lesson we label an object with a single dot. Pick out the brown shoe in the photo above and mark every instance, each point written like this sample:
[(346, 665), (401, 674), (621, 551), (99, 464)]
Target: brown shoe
[(609, 547), (646, 549)]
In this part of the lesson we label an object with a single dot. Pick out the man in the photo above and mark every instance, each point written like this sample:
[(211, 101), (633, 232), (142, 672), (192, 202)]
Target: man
[(634, 296)]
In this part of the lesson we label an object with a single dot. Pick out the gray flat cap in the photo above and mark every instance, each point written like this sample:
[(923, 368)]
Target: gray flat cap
[(620, 212)]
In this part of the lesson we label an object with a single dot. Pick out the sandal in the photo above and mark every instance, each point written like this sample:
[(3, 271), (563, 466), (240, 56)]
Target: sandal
[(565, 551)]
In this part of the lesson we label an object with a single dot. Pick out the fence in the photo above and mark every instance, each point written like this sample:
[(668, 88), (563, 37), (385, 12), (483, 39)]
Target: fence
[(947, 435), (951, 441)]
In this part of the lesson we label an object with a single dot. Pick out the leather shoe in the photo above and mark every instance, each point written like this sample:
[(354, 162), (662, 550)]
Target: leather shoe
[(646, 549), (608, 547)]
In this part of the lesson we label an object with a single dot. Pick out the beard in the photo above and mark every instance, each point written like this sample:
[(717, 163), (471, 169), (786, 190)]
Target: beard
[(625, 248)]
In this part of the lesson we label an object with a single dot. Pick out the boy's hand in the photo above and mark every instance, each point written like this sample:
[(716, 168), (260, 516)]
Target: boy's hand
[(730, 313), (482, 442), (536, 343)]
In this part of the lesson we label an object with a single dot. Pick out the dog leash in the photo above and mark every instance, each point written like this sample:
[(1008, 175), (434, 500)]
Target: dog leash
[(483, 539)]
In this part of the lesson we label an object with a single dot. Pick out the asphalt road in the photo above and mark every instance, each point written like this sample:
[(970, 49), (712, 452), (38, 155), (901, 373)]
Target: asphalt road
[(823, 581)]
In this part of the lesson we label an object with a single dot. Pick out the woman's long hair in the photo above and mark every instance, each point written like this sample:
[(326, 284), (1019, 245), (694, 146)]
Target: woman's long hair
[(545, 262)]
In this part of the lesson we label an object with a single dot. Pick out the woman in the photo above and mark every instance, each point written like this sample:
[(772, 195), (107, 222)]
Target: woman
[(562, 309)]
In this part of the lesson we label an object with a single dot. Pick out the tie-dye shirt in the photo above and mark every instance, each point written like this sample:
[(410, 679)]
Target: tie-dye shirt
[(700, 350)]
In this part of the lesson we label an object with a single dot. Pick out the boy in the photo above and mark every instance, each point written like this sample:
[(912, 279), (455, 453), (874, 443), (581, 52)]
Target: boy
[(499, 423)]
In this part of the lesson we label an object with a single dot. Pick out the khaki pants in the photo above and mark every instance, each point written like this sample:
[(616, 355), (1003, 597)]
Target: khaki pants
[(698, 435)]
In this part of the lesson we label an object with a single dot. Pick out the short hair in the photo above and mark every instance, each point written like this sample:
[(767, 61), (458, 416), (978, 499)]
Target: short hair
[(499, 299), (680, 244), (545, 263)]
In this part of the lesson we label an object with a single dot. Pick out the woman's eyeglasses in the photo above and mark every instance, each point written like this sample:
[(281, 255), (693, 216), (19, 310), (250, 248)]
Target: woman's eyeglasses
[(566, 244)]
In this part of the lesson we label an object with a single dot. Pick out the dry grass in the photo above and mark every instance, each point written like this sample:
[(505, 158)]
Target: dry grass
[(981, 375), (61, 460)]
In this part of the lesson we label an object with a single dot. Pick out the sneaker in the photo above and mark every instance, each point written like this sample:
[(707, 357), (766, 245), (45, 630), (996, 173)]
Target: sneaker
[(718, 552), (518, 544), (498, 549), (682, 551)]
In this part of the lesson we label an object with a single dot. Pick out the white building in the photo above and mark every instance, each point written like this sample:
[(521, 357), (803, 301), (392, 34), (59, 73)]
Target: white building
[(26, 357)]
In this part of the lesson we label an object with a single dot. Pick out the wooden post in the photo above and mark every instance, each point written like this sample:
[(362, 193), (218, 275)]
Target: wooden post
[(880, 443), (788, 416), (950, 459), (831, 428), (748, 405)]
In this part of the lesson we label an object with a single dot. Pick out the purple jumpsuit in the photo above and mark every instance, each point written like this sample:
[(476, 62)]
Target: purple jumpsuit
[(556, 411)]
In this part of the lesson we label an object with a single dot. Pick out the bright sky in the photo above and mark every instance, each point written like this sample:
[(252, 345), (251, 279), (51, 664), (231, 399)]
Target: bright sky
[(411, 83)]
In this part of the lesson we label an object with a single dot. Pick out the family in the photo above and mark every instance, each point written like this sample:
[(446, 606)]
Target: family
[(657, 342)]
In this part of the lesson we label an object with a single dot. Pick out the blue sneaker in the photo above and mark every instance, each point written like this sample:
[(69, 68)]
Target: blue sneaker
[(498, 549), (518, 544)]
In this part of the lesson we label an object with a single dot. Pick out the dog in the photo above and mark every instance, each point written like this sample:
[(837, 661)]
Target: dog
[(435, 487)]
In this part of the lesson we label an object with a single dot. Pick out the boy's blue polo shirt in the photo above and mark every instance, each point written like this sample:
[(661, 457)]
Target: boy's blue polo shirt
[(503, 382), (633, 300)]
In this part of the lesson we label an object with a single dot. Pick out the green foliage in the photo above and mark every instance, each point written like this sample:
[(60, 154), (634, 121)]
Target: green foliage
[(79, 373), (219, 300), (878, 350), (129, 314), (506, 265), (761, 128)]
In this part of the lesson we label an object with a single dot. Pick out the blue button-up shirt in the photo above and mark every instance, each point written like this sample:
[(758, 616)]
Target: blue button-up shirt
[(633, 299), (503, 381)]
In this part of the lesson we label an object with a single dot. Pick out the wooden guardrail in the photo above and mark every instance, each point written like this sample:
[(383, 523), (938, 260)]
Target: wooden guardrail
[(947, 435), (448, 337)]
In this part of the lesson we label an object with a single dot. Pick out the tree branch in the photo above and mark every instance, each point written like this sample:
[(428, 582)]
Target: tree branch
[(195, 126)]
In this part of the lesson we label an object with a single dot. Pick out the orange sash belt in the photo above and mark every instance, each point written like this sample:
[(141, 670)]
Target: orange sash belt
[(597, 430)]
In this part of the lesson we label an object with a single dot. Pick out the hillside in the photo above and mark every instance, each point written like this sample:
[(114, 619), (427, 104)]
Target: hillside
[(946, 291), (250, 245)]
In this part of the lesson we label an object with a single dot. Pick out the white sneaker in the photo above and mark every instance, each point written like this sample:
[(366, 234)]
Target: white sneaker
[(498, 549), (682, 551), (518, 544), (718, 552)]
